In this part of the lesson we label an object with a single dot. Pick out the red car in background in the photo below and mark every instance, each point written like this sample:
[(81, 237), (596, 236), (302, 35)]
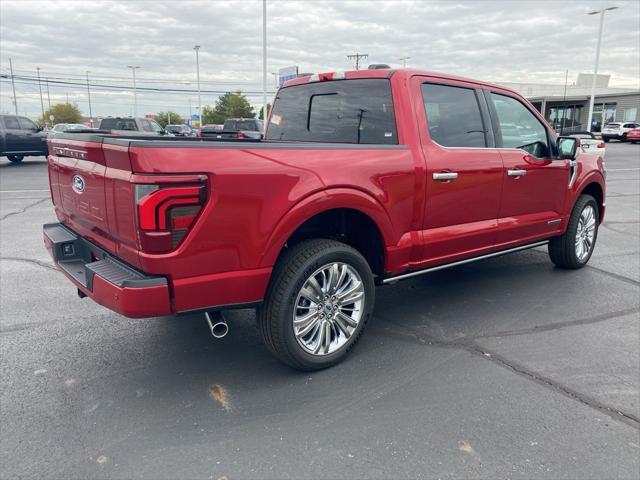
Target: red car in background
[(363, 178), (633, 136)]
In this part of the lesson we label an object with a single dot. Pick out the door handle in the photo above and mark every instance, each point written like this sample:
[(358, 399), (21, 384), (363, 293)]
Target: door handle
[(445, 176), (516, 173)]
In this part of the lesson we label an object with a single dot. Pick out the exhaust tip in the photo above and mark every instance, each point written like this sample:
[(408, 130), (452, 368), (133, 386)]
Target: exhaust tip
[(220, 329), (217, 324)]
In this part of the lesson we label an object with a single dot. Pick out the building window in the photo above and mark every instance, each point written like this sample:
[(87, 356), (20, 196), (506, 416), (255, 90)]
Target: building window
[(566, 118), (603, 113), (630, 114)]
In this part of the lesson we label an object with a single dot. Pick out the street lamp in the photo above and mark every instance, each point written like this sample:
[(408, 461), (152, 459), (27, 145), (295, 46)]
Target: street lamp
[(197, 49), (404, 61), (135, 92), (595, 68), (89, 98)]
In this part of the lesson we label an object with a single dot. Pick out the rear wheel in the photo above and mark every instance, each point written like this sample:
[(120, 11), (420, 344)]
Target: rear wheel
[(573, 249), (624, 137), (320, 298), (605, 139), (15, 158)]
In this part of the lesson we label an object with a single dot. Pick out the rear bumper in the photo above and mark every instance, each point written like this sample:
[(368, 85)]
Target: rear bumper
[(105, 279)]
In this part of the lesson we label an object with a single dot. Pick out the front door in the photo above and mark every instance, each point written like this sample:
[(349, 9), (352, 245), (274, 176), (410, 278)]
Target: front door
[(463, 171), (535, 183)]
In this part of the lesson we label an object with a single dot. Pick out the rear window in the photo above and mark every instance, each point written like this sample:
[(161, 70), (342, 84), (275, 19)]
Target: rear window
[(237, 125), (118, 124), (340, 111), (612, 125)]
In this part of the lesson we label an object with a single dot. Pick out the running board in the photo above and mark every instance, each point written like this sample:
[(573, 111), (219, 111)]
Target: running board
[(462, 262)]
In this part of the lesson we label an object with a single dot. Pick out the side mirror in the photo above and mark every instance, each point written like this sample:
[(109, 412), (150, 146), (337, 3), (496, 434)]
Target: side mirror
[(568, 148)]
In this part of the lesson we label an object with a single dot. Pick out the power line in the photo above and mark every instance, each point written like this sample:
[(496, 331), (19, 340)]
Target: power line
[(34, 81)]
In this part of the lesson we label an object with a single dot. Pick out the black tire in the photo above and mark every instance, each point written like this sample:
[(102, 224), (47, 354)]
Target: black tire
[(605, 139), (275, 315), (624, 137), (562, 249), (15, 158), (634, 141)]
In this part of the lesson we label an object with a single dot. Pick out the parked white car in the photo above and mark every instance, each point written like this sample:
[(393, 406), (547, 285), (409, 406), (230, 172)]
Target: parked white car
[(589, 142), (618, 130)]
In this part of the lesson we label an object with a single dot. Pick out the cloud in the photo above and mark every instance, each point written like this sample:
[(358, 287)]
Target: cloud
[(517, 41)]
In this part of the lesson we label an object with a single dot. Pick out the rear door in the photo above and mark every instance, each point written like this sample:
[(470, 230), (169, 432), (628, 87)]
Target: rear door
[(13, 133), (463, 170), (534, 183)]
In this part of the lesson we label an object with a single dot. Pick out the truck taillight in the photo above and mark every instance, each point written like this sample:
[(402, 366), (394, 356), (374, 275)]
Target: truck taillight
[(165, 213), (240, 135), (601, 145)]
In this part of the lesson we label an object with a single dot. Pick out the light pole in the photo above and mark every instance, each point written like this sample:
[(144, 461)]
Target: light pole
[(135, 92), (264, 60), (41, 101), (595, 68), (404, 61), (89, 97), (13, 85), (197, 49)]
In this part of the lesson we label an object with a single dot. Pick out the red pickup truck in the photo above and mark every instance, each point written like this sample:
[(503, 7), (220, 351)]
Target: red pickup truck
[(363, 178)]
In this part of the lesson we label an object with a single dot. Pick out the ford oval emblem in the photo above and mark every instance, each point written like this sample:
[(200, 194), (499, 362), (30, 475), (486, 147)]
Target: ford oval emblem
[(78, 184)]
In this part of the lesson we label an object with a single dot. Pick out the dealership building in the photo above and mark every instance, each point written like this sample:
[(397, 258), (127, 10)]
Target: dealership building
[(567, 107)]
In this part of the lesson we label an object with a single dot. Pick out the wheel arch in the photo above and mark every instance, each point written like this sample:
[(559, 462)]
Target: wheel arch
[(594, 187), (330, 207)]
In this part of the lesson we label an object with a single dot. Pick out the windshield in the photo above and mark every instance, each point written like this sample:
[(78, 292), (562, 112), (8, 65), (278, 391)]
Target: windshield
[(118, 124), (341, 111)]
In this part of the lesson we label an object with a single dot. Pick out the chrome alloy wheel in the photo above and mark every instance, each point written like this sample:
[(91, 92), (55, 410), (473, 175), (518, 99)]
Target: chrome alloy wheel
[(328, 309), (585, 233)]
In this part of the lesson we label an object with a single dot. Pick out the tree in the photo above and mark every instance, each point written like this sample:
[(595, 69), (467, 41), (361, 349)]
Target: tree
[(168, 118), (261, 114), (62, 113), (209, 116)]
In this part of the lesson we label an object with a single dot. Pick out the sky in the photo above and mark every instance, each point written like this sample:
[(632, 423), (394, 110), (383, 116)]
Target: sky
[(499, 41)]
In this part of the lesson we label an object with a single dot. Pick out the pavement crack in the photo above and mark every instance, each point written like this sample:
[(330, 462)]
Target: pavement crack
[(614, 275), (468, 344), (31, 205), (569, 323), (624, 417), (32, 261)]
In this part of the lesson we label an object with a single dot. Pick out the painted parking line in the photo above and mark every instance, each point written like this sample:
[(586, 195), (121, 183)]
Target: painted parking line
[(23, 191), (621, 169)]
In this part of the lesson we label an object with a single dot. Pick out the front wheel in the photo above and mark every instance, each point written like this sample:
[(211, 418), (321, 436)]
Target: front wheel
[(15, 158), (573, 249), (319, 300), (605, 139)]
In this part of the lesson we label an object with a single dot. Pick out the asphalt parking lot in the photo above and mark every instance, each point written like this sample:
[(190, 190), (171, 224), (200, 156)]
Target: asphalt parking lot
[(506, 368)]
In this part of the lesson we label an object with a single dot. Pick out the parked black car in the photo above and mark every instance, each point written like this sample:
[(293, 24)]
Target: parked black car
[(20, 137), (237, 128), (178, 130)]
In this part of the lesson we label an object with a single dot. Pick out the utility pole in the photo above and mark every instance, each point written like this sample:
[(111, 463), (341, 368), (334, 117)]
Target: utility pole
[(13, 85), (264, 60), (595, 68), (46, 81), (41, 101), (89, 97), (404, 61), (197, 49), (135, 91), (356, 58)]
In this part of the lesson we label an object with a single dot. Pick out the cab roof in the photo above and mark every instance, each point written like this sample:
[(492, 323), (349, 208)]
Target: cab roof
[(385, 73)]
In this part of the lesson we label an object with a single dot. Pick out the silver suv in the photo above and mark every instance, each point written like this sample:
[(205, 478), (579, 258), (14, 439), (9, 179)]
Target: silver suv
[(618, 130)]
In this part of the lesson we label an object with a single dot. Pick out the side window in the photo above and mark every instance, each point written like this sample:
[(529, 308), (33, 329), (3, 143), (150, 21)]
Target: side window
[(146, 126), (453, 116), (11, 123), (519, 127), (26, 124), (155, 127)]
